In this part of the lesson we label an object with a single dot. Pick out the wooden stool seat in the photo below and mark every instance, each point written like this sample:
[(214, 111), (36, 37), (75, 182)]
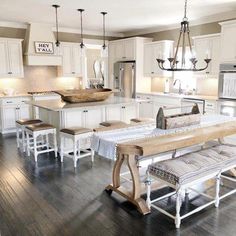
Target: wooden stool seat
[(111, 123), (75, 130), (38, 127), (139, 120), (28, 121)]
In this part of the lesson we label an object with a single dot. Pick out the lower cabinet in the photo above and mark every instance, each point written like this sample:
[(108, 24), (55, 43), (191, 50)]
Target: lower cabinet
[(12, 110), (93, 117), (146, 109), (121, 112)]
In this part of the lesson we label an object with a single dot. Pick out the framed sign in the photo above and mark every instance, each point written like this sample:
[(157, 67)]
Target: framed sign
[(44, 47)]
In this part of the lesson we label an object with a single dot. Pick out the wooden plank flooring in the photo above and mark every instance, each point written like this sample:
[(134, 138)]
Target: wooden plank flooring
[(54, 199)]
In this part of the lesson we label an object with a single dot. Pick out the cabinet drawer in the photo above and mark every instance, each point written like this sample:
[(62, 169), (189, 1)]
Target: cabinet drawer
[(15, 101), (210, 105)]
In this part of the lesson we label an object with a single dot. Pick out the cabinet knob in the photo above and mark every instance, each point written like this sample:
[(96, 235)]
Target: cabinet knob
[(152, 72), (73, 72), (9, 72)]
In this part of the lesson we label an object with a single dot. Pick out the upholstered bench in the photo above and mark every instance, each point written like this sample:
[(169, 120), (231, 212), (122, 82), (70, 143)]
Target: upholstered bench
[(80, 138), (183, 172)]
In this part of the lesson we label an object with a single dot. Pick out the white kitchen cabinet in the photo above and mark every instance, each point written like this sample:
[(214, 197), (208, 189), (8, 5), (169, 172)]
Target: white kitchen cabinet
[(121, 112), (152, 51), (210, 107), (13, 109), (11, 62), (113, 113), (228, 45), (71, 60), (93, 117), (128, 112), (122, 49), (208, 46), (146, 109)]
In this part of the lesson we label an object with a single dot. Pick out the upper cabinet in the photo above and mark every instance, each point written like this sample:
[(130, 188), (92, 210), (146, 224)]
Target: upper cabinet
[(152, 51), (11, 61), (208, 46), (228, 43), (71, 60), (122, 49)]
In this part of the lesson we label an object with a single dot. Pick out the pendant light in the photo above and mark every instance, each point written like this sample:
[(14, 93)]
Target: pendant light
[(57, 38), (104, 30), (81, 27), (184, 33)]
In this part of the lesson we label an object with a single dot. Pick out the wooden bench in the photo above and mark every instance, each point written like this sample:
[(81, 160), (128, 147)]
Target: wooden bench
[(184, 172)]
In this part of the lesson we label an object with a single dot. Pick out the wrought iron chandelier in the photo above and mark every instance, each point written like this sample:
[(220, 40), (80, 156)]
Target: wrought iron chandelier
[(81, 27), (57, 38), (184, 33), (104, 30)]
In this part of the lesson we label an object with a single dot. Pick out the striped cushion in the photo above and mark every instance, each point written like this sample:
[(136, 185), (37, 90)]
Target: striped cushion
[(192, 166)]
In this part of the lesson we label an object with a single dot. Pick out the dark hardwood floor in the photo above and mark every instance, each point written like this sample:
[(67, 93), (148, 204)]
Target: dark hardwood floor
[(54, 199)]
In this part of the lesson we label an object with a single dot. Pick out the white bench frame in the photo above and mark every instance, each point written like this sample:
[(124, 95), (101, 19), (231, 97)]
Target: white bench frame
[(179, 189)]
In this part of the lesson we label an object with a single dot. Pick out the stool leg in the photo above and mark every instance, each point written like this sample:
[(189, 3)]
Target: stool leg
[(23, 139), (178, 206), (148, 188), (28, 144), (17, 137), (35, 147), (55, 142), (47, 141), (217, 197), (75, 151), (92, 155), (61, 147)]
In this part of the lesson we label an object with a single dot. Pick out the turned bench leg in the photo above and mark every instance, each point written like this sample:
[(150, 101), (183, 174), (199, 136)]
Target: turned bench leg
[(217, 196), (178, 207)]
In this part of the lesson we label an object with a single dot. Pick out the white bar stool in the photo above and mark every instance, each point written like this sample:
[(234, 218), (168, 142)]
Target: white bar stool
[(43, 130), (81, 139), (20, 131)]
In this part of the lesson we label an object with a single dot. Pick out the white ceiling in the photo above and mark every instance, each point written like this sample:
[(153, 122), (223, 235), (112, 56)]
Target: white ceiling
[(123, 15)]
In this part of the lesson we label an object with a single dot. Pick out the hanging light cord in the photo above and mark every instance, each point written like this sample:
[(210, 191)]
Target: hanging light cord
[(57, 41), (104, 30), (185, 9), (81, 27)]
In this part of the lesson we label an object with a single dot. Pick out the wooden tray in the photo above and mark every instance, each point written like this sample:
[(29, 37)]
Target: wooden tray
[(84, 95)]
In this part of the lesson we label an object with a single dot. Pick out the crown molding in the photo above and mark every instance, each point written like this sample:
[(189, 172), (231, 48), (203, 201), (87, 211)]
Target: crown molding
[(10, 24), (204, 20)]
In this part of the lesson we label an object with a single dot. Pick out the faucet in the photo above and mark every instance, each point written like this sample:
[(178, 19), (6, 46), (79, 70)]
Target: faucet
[(180, 89)]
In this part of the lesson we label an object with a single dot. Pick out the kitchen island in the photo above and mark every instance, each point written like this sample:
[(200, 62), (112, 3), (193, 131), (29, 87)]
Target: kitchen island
[(88, 114)]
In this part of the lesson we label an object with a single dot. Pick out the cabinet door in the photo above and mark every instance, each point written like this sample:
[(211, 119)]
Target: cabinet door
[(203, 48), (119, 50), (74, 118), (128, 112), (3, 59), (24, 112), (228, 44), (148, 58), (9, 117), (146, 109), (76, 60), (113, 113), (66, 60), (129, 49), (93, 117), (215, 55), (15, 59)]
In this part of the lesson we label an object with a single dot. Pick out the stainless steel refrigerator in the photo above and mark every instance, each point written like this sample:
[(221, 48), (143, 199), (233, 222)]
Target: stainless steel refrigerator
[(124, 79)]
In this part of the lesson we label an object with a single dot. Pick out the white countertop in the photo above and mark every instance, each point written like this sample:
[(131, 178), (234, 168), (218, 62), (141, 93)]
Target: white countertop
[(15, 95), (59, 105), (176, 95)]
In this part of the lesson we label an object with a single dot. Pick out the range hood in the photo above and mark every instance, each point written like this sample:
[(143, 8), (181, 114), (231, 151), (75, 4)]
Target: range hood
[(40, 33)]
